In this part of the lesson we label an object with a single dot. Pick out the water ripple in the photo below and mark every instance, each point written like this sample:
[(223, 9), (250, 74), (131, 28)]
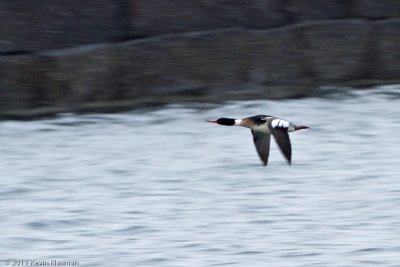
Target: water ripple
[(164, 188)]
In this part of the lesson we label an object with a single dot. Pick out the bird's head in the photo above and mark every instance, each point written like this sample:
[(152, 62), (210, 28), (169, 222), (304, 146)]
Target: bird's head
[(224, 121)]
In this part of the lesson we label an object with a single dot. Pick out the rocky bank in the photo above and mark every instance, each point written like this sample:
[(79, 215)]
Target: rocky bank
[(62, 55)]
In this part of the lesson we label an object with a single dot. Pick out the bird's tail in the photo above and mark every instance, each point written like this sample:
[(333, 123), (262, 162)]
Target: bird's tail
[(301, 127)]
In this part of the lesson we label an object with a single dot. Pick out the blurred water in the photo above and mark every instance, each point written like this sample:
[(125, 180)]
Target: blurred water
[(165, 188)]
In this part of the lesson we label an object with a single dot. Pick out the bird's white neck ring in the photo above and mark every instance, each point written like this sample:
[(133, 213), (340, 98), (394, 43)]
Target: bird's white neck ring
[(238, 122)]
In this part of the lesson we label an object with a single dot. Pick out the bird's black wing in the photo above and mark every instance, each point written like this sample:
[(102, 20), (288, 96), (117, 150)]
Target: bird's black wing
[(262, 141), (282, 139)]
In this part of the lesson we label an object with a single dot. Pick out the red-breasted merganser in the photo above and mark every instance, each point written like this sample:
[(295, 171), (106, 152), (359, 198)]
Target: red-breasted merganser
[(262, 126)]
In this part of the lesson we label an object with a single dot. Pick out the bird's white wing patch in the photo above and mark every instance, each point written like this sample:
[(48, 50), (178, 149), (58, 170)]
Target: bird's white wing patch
[(279, 123)]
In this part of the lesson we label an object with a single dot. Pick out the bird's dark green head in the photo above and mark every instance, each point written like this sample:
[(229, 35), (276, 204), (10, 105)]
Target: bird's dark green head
[(224, 121)]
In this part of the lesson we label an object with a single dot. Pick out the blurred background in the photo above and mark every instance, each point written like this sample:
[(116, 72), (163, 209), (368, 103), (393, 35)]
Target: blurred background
[(106, 158), (66, 56)]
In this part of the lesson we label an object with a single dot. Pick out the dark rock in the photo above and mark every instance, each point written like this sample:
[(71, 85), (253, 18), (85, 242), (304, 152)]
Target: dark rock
[(388, 49), (31, 26), (142, 67), (160, 17), (218, 64), (185, 63), (21, 80), (277, 57), (301, 10), (216, 59), (86, 74), (339, 50), (208, 65), (262, 14), (376, 9)]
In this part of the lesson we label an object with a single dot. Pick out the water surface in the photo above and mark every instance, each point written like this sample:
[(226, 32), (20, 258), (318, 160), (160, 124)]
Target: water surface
[(165, 188)]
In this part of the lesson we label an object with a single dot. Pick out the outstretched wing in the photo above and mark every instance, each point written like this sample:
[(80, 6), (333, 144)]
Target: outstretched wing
[(262, 141), (280, 133)]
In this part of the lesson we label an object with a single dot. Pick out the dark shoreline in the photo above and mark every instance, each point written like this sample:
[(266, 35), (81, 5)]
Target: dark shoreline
[(151, 103), (127, 54)]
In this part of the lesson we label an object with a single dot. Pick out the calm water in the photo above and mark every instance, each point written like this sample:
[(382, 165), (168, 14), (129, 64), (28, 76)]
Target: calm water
[(165, 188)]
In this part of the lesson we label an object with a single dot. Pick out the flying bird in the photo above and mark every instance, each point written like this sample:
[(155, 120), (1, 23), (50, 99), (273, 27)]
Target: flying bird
[(262, 127)]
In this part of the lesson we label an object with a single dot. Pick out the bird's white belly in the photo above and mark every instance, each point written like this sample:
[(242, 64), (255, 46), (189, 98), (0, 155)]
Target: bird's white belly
[(263, 128)]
